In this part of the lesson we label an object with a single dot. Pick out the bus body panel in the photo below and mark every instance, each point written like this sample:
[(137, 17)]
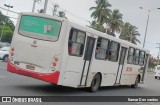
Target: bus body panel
[(35, 57), (68, 71), (73, 65)]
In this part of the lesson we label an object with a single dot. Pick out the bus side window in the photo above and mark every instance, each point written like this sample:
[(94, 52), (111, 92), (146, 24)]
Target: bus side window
[(136, 57), (76, 42), (141, 58), (130, 55), (101, 49), (114, 51)]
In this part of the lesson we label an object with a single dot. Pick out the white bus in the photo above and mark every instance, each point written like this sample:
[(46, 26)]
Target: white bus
[(58, 51)]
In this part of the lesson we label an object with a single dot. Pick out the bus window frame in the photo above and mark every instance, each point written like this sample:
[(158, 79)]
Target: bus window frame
[(38, 38), (107, 50), (135, 57), (76, 42), (130, 55), (143, 57), (118, 51)]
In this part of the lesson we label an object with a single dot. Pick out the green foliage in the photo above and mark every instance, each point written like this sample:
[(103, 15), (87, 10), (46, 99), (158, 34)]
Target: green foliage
[(7, 34), (129, 33), (97, 26), (114, 22), (152, 64), (101, 12), (8, 27), (102, 16)]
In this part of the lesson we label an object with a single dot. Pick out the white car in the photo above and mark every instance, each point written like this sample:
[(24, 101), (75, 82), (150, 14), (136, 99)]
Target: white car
[(4, 52), (157, 72)]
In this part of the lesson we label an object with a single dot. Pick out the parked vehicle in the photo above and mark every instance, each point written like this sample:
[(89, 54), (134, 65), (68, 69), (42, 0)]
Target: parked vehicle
[(157, 72), (4, 51), (4, 44)]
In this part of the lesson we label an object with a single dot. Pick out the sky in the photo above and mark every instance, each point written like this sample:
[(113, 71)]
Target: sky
[(78, 11)]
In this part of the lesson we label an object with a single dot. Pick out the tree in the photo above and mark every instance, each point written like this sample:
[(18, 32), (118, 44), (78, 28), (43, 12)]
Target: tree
[(114, 22), (8, 27), (101, 12), (151, 65), (7, 36), (97, 26), (129, 33)]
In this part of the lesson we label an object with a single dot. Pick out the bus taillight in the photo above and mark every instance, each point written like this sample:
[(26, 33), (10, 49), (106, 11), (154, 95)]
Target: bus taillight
[(54, 64), (55, 58)]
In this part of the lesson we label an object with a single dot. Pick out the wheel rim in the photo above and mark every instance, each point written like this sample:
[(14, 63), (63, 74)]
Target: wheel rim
[(95, 82)]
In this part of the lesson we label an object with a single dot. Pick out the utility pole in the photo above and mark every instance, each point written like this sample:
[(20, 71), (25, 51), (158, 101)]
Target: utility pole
[(34, 3), (45, 6), (8, 6), (144, 41), (158, 52)]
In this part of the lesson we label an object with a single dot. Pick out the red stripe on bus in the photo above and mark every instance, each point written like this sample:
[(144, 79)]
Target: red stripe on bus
[(47, 77)]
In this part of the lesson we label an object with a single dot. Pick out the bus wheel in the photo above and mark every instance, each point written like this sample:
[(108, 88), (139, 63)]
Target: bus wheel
[(136, 82), (155, 77), (95, 83)]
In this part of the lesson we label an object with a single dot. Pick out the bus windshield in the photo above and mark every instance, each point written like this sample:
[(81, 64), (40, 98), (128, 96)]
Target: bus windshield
[(39, 28)]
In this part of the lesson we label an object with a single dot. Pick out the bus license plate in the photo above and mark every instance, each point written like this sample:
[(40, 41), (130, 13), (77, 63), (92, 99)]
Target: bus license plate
[(30, 67)]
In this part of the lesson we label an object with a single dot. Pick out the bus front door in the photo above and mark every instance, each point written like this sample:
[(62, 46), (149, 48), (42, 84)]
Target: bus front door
[(121, 64), (87, 60)]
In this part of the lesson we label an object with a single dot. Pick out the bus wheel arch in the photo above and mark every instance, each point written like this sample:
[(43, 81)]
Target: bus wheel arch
[(96, 82), (139, 76), (137, 80)]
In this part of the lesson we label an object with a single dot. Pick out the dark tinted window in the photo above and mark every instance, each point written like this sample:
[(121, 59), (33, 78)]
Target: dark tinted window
[(141, 58), (136, 57), (101, 49), (114, 51), (130, 55), (76, 42)]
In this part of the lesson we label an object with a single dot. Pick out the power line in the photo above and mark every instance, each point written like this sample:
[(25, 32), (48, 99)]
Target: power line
[(8, 10)]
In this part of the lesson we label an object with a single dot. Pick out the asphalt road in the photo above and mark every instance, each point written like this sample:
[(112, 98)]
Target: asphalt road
[(17, 85)]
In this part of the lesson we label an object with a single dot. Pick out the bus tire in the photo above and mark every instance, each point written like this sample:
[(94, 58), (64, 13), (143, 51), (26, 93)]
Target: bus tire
[(155, 77), (96, 81), (5, 58), (136, 83)]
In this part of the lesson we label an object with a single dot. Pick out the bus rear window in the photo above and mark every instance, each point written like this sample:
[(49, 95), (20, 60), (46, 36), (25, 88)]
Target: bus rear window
[(39, 28)]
